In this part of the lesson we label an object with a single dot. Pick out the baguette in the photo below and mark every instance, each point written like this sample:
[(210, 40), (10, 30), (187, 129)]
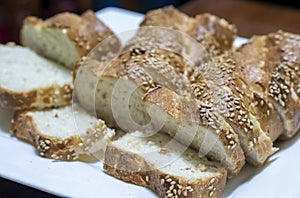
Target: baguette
[(274, 60), (64, 37), (214, 78), (67, 133), (30, 81), (182, 118), (142, 161), (215, 34)]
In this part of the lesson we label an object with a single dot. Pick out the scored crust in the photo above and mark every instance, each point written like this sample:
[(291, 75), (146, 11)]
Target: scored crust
[(123, 165), (52, 96)]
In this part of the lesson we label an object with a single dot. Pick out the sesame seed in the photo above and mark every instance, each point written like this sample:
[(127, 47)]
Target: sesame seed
[(179, 191), (162, 181), (169, 180), (147, 178), (184, 193), (173, 182), (211, 193), (171, 188), (174, 191), (47, 142)]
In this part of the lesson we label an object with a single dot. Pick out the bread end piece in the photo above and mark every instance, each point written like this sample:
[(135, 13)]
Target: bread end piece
[(77, 35), (25, 127)]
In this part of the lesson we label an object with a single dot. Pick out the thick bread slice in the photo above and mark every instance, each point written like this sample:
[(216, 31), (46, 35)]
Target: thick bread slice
[(215, 34), (30, 81), (126, 95), (64, 37), (274, 61), (65, 133), (143, 161)]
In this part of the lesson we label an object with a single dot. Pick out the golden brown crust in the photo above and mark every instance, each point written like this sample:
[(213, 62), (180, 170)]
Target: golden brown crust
[(190, 111), (85, 31), (52, 96), (25, 128), (215, 34), (270, 67), (222, 31), (177, 105), (66, 149), (124, 165)]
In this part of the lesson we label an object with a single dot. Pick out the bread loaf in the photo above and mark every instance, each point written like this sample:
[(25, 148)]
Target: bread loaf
[(215, 34), (157, 103), (270, 65)]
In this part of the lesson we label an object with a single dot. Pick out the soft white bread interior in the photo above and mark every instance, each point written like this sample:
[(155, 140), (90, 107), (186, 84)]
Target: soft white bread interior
[(163, 165), (64, 37), (28, 80), (65, 133)]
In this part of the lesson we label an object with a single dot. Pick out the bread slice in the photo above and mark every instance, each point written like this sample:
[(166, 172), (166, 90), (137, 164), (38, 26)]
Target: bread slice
[(28, 80), (164, 166), (64, 37), (66, 133), (274, 60), (132, 95), (215, 34)]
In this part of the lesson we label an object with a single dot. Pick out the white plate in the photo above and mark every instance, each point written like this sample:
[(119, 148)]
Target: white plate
[(20, 163)]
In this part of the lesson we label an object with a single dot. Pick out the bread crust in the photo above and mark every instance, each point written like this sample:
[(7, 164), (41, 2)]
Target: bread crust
[(173, 104), (215, 34), (67, 149), (275, 79), (45, 97), (124, 165), (85, 31), (25, 128)]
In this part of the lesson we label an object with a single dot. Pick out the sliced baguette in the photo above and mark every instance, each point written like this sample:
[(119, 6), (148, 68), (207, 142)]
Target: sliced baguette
[(212, 80), (274, 60), (66, 133), (153, 107), (64, 37), (215, 34), (144, 161), (28, 80)]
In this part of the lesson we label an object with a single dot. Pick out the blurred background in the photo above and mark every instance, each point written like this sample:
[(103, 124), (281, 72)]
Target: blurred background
[(240, 12)]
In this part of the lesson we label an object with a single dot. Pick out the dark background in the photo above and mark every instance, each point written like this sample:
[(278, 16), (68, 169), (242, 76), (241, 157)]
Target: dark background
[(12, 12)]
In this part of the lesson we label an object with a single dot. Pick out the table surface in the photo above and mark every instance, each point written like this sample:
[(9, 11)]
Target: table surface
[(251, 17)]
